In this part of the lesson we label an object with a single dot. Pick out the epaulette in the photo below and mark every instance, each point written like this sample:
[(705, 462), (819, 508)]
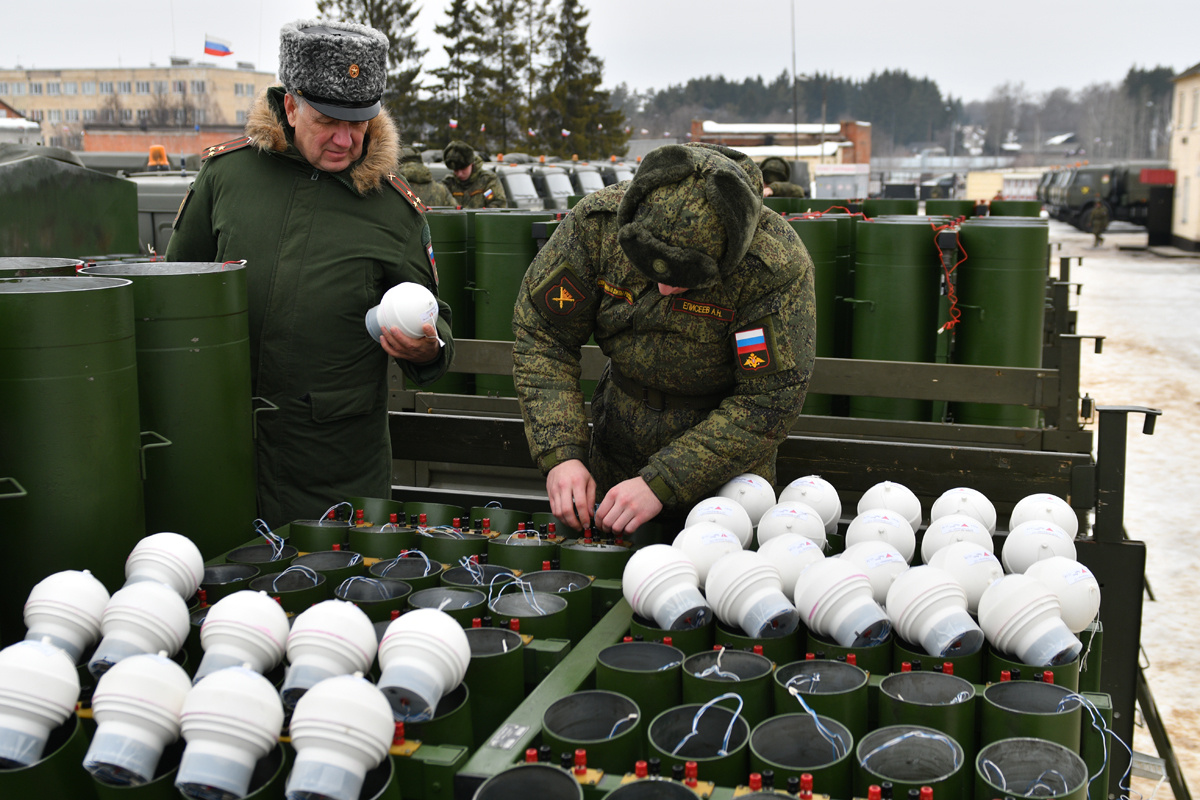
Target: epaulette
[(225, 147), (404, 189)]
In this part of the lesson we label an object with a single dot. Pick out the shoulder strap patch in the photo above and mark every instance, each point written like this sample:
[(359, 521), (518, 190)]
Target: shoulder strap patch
[(406, 191), (225, 147)]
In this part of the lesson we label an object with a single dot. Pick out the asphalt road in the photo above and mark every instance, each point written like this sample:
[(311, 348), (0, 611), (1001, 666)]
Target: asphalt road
[(1148, 307)]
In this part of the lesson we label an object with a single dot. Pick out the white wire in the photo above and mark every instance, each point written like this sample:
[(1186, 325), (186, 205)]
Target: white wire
[(335, 507), (724, 751), (835, 740), (715, 669), (937, 737), (985, 763), (378, 584), (1101, 726), (275, 540), (308, 572), (618, 724), (473, 569)]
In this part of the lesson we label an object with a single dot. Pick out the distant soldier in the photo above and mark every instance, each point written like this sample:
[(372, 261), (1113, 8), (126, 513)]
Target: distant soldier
[(471, 185), (776, 172), (420, 180), (1099, 220)]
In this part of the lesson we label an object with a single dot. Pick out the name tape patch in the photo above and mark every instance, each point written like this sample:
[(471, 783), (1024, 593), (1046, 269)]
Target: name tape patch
[(707, 310)]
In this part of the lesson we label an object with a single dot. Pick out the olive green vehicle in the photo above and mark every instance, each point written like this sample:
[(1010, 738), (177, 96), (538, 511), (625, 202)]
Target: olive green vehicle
[(1073, 193)]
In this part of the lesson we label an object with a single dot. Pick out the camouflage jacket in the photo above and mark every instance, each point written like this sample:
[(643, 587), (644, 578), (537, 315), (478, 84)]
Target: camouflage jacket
[(786, 189), (481, 190), (582, 284), (420, 180)]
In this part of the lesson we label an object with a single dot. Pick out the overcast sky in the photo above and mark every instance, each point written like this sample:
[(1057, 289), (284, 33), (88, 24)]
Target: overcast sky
[(654, 43)]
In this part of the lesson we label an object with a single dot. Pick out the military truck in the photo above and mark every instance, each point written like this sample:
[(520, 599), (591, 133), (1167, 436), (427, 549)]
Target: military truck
[(1124, 189)]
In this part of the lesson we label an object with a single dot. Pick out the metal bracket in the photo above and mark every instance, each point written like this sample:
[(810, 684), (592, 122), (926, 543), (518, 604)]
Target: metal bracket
[(162, 442), (1111, 448), (268, 406)]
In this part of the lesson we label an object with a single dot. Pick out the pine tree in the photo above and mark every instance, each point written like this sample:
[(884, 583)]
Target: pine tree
[(534, 21), (460, 31), (495, 83), (394, 18), (577, 117)]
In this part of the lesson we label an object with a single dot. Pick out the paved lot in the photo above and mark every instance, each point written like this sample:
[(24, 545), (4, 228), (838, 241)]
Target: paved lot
[(1148, 307)]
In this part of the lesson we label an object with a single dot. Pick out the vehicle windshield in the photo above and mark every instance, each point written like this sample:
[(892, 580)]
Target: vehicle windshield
[(520, 186), (589, 181), (558, 184)]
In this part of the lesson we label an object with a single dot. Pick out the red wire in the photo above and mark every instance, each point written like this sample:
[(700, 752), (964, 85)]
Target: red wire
[(951, 295)]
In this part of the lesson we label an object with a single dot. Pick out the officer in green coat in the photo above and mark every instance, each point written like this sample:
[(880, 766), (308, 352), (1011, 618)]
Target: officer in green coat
[(309, 199), (776, 179), (471, 185), (420, 179), (704, 306)]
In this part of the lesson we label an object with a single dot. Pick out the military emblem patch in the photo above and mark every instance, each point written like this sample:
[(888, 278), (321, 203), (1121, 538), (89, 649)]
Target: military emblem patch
[(753, 352), (562, 294)]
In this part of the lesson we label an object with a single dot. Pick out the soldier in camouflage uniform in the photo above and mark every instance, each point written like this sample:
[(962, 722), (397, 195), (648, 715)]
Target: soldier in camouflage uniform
[(420, 180), (471, 185), (1099, 222), (705, 309), (775, 172)]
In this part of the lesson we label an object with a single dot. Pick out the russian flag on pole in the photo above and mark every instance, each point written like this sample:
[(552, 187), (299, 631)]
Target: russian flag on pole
[(217, 47)]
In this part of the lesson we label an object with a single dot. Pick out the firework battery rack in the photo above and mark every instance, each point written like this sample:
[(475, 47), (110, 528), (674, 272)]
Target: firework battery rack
[(473, 449)]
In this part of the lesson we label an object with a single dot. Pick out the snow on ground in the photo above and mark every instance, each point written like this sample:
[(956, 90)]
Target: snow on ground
[(1148, 307)]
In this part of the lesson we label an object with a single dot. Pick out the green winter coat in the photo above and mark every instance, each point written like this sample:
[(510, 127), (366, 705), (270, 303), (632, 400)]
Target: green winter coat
[(582, 284), (420, 179), (320, 250), (481, 190)]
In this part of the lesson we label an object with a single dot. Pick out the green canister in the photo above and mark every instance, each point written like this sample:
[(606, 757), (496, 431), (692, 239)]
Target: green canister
[(538, 614), (833, 689), (1026, 762), (496, 672), (911, 756), (413, 567), (575, 588), (647, 672), (721, 671), (1013, 709), (694, 640), (934, 700), (794, 744), (462, 604), (711, 735), (531, 780), (608, 725)]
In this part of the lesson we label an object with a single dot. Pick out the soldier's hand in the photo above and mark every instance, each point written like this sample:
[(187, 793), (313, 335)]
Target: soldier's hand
[(397, 344), (627, 506), (572, 492), (768, 191)]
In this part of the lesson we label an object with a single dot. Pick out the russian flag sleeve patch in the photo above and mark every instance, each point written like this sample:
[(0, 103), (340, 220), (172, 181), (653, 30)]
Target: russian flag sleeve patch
[(754, 349)]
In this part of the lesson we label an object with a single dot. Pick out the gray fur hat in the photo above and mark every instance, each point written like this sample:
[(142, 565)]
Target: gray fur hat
[(340, 68), (690, 213)]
